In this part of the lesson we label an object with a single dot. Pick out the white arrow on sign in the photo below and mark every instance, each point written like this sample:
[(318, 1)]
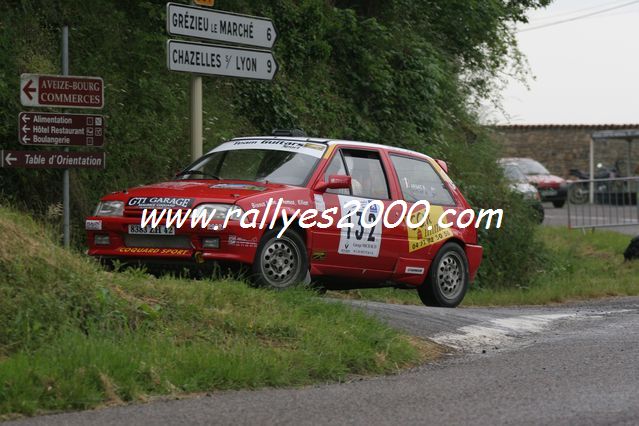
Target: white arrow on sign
[(226, 61), (29, 84), (9, 159), (25, 118), (25, 129), (215, 25), (26, 139)]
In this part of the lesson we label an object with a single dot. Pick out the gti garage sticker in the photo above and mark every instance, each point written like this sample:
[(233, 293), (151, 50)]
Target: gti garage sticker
[(358, 240), (160, 202)]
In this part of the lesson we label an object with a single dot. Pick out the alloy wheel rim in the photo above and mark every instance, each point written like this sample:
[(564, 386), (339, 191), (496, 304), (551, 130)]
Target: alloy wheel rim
[(450, 275), (280, 262)]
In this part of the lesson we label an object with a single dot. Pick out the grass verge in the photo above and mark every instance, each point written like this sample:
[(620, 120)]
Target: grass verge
[(584, 266), (73, 336)]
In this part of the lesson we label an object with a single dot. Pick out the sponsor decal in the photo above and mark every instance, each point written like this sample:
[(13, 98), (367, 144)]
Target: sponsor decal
[(93, 225), (160, 202), (320, 206), (357, 237), (236, 241), (318, 255), (429, 233), (152, 250), (316, 146), (244, 186), (307, 148), (414, 270)]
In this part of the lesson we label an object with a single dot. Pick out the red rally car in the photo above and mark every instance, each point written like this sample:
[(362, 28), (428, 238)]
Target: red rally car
[(252, 176)]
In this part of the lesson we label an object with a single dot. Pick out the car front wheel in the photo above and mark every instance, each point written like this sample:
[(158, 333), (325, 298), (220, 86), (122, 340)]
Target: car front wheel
[(281, 262), (448, 279)]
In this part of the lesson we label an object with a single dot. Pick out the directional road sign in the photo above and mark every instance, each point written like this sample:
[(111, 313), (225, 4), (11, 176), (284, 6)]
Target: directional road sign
[(214, 25), (226, 61), (43, 128), (51, 160), (38, 90)]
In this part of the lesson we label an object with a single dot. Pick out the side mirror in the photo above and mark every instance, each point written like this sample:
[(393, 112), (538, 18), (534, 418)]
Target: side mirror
[(443, 165), (334, 182)]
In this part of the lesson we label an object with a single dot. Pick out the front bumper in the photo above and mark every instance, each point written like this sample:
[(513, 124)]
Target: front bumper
[(553, 194), (236, 244)]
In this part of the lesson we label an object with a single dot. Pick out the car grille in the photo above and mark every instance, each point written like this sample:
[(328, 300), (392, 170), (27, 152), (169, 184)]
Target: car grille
[(132, 212), (158, 241)]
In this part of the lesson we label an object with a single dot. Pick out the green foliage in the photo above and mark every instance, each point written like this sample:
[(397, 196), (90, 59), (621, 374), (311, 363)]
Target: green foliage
[(73, 336), (397, 72)]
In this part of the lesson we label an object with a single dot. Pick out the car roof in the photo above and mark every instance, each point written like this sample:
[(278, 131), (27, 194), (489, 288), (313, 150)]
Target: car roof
[(331, 142)]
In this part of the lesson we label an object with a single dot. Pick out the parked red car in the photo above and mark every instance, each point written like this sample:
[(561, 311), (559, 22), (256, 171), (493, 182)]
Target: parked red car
[(551, 188), (252, 174)]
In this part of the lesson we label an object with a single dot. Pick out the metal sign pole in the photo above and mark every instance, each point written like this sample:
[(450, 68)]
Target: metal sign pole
[(196, 117), (65, 177), (196, 113)]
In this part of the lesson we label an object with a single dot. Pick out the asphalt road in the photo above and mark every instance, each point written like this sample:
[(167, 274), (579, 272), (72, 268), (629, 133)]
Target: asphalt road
[(572, 365)]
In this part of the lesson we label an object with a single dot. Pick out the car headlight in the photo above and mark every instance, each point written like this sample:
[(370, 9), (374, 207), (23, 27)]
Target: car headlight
[(221, 210), (109, 208)]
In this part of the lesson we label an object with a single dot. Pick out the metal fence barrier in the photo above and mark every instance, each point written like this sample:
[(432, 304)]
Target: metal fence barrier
[(597, 203)]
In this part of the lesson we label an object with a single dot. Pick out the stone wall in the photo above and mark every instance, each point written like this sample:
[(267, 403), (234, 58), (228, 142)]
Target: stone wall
[(563, 147)]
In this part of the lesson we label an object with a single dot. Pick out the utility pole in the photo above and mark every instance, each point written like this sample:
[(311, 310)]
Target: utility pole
[(66, 205), (196, 117)]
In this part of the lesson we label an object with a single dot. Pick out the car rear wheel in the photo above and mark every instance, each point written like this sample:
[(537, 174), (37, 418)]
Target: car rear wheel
[(448, 279), (281, 262), (559, 204)]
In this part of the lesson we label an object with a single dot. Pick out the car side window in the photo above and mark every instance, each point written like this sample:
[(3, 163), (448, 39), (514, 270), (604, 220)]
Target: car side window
[(336, 167), (419, 181), (368, 179)]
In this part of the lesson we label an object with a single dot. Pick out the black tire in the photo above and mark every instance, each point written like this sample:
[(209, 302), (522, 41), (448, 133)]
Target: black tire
[(578, 193), (281, 263), (559, 203), (447, 280)]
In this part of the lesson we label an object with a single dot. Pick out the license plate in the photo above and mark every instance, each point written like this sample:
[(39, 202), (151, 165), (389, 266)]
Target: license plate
[(548, 192), (148, 230)]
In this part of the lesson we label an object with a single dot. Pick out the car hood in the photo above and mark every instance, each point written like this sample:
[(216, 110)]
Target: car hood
[(551, 181), (188, 193)]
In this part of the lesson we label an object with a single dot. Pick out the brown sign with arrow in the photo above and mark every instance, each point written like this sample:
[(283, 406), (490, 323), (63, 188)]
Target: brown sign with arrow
[(42, 128), (51, 159), (38, 90)]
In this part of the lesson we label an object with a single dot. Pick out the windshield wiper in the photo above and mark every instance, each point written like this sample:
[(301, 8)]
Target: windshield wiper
[(198, 172)]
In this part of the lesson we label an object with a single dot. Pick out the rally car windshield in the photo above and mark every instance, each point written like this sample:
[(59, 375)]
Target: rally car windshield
[(255, 165)]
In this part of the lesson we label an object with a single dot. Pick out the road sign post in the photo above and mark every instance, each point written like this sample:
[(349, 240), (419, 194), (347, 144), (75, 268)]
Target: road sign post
[(211, 59), (44, 128), (213, 25)]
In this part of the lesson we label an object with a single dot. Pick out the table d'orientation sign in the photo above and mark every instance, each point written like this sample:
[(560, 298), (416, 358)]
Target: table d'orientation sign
[(51, 159)]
